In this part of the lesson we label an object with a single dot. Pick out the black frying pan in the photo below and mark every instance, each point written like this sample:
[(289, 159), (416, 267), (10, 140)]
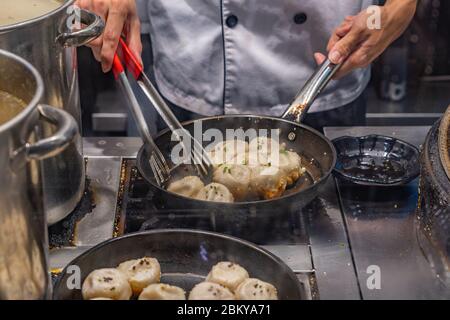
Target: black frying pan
[(317, 152), (186, 257)]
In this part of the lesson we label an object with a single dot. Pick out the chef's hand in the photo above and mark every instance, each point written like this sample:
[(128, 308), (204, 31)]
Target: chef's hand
[(357, 45), (121, 18)]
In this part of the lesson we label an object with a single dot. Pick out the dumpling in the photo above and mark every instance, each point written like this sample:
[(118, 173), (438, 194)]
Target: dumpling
[(210, 291), (188, 186), (215, 192), (273, 168), (235, 177), (229, 152), (263, 151), (254, 289), (268, 182), (141, 272), (290, 164), (106, 283), (228, 274), (161, 291)]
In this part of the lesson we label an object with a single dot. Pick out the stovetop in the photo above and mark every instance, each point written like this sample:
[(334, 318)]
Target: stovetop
[(138, 212), (330, 244), (121, 201)]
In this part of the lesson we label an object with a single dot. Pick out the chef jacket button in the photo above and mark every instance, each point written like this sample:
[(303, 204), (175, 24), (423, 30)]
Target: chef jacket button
[(300, 18), (232, 21)]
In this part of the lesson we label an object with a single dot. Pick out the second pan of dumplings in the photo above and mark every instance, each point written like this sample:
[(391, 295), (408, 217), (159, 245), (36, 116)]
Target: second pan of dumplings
[(185, 258)]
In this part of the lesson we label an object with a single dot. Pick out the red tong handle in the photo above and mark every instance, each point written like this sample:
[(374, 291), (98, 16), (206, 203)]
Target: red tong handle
[(117, 66), (131, 61)]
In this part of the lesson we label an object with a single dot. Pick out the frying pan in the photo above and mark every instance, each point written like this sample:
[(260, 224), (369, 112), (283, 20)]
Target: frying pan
[(317, 152), (186, 257)]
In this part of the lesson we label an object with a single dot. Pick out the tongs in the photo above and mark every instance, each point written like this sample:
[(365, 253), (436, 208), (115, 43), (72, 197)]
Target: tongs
[(197, 155), (158, 163)]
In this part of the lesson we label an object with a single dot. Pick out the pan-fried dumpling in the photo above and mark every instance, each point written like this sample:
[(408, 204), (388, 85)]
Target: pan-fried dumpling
[(215, 192), (254, 289), (141, 272), (188, 186), (268, 182), (228, 274), (290, 164), (263, 151), (229, 152), (161, 291), (210, 291), (235, 177), (106, 283), (273, 168)]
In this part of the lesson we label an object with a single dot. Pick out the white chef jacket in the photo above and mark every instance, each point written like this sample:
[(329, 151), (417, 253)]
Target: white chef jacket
[(245, 56)]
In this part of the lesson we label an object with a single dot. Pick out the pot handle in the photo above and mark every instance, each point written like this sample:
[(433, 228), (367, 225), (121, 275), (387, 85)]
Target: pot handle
[(298, 108), (52, 146), (94, 28)]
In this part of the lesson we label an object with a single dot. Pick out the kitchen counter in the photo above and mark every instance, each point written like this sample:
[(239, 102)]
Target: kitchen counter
[(381, 228), (342, 233)]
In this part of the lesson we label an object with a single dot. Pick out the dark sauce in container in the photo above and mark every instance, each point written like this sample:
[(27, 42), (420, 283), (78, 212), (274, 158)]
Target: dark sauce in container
[(374, 169)]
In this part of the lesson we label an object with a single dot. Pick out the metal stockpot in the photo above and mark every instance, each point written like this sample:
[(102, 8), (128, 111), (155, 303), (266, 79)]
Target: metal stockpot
[(23, 228), (49, 43)]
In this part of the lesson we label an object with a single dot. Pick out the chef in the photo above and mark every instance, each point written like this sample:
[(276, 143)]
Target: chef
[(213, 57)]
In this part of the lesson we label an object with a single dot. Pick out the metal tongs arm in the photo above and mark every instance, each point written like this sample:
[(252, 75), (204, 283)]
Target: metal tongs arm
[(198, 155), (158, 163)]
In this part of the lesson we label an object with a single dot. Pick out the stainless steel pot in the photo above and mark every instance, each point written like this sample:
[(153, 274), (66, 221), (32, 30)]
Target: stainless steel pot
[(49, 43), (23, 231)]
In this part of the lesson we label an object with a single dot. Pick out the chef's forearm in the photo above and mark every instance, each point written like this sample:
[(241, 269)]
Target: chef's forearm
[(401, 2), (406, 7), (398, 15), (362, 38)]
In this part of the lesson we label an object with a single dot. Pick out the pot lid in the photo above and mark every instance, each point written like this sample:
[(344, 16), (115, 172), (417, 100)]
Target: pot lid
[(444, 142)]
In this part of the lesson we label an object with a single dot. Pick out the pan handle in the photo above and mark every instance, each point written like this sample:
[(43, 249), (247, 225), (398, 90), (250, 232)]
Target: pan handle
[(94, 28), (298, 108)]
